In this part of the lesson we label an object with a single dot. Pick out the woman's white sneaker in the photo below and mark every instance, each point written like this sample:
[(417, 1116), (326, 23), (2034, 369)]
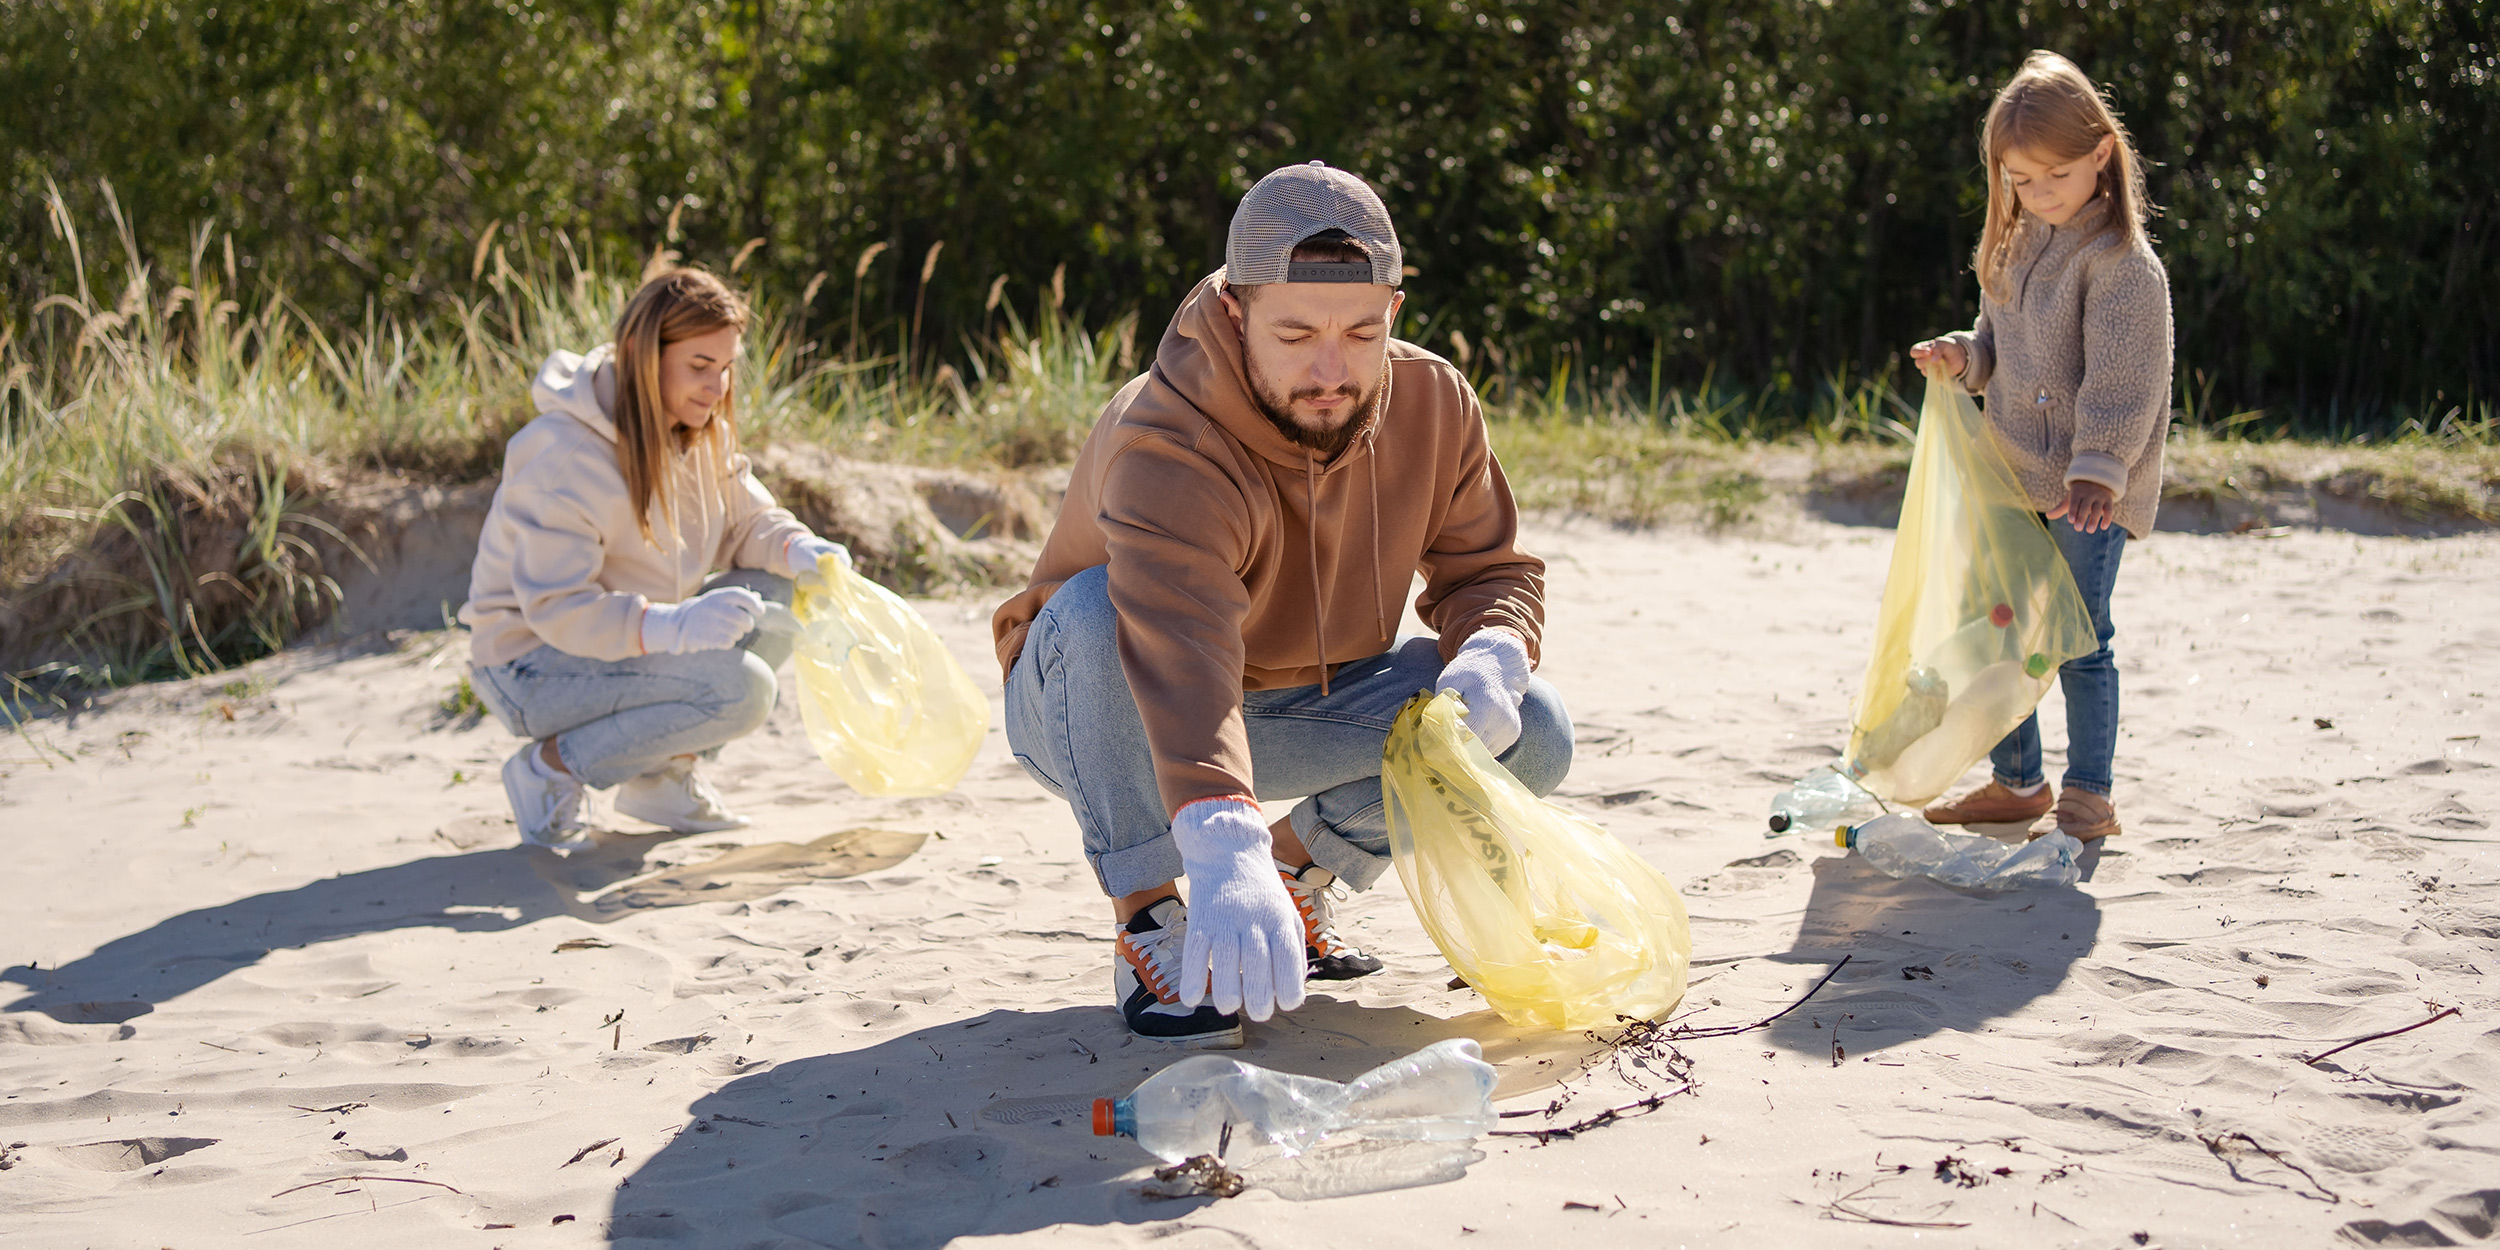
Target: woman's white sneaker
[(677, 797), (546, 804)]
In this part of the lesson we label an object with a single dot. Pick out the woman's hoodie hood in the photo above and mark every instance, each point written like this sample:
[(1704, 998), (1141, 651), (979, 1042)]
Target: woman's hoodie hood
[(580, 386)]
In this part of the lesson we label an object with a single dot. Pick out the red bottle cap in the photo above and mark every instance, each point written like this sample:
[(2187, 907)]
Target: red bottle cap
[(2001, 615), (1102, 1117)]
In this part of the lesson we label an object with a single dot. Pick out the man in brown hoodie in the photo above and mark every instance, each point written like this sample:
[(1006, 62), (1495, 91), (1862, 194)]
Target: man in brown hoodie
[(1213, 618)]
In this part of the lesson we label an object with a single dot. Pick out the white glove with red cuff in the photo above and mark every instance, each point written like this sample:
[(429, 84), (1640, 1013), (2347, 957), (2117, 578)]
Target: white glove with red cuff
[(1490, 675), (806, 553), (1245, 939), (712, 621)]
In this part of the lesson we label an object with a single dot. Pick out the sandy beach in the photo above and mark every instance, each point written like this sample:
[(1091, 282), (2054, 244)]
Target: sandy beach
[(279, 974)]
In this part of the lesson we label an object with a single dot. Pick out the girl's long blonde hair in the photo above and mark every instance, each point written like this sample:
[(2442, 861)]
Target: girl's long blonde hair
[(679, 304), (2053, 111)]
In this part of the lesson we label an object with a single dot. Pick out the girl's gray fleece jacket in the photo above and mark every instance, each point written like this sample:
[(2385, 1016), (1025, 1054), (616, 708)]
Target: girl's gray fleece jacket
[(2075, 363)]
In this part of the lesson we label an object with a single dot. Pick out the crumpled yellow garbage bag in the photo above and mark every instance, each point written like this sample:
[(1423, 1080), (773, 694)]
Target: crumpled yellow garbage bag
[(886, 706), (1979, 610), (1555, 922)]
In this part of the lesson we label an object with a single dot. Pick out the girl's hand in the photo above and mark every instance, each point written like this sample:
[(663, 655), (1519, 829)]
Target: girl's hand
[(2087, 506), (1944, 350)]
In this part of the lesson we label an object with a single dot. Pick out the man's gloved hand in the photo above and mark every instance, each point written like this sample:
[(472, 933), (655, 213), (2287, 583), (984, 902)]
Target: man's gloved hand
[(1490, 675), (804, 554), (712, 621), (1244, 938)]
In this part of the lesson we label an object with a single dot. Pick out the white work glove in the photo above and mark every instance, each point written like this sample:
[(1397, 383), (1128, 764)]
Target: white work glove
[(1490, 675), (1245, 938), (805, 552), (712, 621)]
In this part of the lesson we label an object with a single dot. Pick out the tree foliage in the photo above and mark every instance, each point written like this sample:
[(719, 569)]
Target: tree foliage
[(1784, 193)]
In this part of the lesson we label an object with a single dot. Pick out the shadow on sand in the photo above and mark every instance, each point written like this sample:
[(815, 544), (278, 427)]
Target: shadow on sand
[(1926, 958), (983, 1126), (482, 891)]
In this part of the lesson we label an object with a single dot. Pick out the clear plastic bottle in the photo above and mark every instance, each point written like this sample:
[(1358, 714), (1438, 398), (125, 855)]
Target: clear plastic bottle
[(1905, 845), (1819, 800), (1208, 1105)]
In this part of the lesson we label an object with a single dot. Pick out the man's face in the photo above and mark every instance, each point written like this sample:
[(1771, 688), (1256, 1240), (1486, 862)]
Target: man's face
[(1316, 352)]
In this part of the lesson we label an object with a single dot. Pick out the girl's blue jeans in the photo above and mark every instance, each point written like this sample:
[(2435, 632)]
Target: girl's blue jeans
[(2090, 682)]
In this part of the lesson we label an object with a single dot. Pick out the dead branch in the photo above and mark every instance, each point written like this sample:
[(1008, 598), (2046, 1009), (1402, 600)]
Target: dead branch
[(2312, 1060), (2214, 1144), (1603, 1118), (1684, 1033), (404, 1180)]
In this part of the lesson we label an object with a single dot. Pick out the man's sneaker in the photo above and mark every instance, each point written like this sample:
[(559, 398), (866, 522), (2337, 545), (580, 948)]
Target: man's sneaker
[(547, 808), (677, 797), (1143, 969), (1314, 896), (1992, 804)]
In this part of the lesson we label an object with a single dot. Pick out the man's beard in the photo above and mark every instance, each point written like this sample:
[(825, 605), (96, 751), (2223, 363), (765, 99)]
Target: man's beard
[(1278, 409)]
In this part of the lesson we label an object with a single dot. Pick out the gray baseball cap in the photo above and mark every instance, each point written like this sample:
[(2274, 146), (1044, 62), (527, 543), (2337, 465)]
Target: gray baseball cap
[(1299, 201)]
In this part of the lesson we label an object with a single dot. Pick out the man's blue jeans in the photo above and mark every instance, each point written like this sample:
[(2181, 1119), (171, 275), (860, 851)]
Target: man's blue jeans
[(2090, 682), (1074, 726)]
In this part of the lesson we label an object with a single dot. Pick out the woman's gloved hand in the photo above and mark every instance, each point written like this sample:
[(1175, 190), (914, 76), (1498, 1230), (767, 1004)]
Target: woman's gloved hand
[(712, 621), (804, 554), (1490, 675), (1245, 939)]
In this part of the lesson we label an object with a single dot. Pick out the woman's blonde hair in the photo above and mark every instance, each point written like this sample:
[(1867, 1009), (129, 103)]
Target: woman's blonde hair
[(2053, 111), (679, 304)]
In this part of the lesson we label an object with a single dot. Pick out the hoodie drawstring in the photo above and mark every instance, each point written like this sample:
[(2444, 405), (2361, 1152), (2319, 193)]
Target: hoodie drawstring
[(1371, 454), (1319, 593)]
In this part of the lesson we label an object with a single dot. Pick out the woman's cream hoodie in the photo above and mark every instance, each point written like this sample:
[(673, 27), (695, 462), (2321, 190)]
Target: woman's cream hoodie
[(562, 562)]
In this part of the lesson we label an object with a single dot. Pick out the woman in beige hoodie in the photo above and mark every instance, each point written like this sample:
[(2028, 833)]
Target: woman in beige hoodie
[(600, 630)]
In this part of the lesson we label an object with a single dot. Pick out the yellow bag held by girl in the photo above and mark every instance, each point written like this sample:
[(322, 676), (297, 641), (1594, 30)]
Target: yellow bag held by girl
[(1979, 610), (1555, 922), (886, 706)]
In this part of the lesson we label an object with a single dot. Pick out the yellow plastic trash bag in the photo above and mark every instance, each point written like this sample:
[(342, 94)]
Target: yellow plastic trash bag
[(885, 705), (1555, 922), (1979, 610)]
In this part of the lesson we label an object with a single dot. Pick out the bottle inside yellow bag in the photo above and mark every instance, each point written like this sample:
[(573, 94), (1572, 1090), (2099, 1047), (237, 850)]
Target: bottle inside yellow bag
[(886, 706), (1555, 922)]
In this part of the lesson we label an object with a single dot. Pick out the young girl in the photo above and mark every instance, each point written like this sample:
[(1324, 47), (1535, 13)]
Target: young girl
[(2072, 351), (599, 629)]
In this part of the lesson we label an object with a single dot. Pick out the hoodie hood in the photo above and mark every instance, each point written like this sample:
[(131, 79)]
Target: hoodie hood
[(582, 387), (1202, 359)]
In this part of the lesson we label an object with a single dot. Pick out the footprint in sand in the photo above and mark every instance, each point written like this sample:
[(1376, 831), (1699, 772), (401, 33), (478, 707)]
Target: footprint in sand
[(2349, 1148)]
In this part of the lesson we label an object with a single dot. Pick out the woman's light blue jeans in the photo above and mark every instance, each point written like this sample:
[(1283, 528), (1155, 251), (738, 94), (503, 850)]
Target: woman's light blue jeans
[(2090, 682), (614, 720), (1074, 726)]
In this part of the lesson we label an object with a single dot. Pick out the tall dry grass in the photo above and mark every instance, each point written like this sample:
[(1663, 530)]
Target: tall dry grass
[(166, 446)]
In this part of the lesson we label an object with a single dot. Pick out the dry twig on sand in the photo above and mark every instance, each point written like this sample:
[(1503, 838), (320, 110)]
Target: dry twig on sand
[(404, 1180), (1603, 1118), (1198, 1176), (2215, 1144), (1839, 1209), (584, 1152), (2312, 1060), (1684, 1033)]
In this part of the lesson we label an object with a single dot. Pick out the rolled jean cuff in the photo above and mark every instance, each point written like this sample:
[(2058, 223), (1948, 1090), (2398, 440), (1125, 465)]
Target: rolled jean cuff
[(2011, 783), (1144, 866), (1353, 865)]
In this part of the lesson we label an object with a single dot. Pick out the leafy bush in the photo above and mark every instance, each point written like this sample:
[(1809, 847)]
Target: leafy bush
[(1782, 192)]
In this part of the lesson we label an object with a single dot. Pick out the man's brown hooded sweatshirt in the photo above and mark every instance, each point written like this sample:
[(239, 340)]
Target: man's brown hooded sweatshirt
[(1239, 560)]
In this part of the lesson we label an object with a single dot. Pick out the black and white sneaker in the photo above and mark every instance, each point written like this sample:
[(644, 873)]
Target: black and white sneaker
[(1143, 969), (1314, 896)]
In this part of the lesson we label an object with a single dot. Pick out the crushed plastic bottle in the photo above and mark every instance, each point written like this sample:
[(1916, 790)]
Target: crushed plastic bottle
[(1819, 800), (1209, 1105), (1905, 845)]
